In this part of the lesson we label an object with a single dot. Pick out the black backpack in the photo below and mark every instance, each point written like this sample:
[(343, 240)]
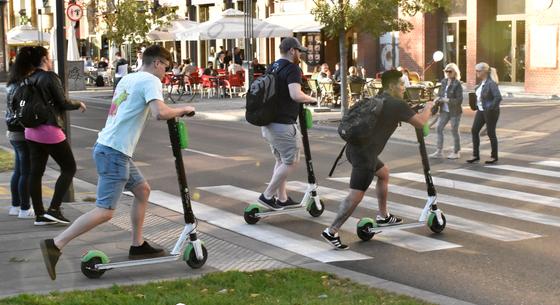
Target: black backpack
[(260, 104), (99, 81), (28, 106), (358, 124)]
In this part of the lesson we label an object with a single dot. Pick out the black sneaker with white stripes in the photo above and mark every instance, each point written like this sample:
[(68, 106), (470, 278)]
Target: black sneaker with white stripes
[(333, 240), (390, 220)]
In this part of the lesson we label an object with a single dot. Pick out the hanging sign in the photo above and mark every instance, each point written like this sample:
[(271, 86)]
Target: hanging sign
[(74, 12)]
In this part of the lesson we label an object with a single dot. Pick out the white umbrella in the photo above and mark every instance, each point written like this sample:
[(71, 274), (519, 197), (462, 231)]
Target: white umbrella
[(168, 33), (231, 26), (73, 52), (27, 35)]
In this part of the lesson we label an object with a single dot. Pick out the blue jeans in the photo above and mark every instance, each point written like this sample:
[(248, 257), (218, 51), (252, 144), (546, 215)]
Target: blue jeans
[(19, 183), (444, 118), (116, 172)]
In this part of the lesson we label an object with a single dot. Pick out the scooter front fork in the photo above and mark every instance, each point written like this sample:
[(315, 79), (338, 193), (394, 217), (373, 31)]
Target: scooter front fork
[(311, 193), (431, 206)]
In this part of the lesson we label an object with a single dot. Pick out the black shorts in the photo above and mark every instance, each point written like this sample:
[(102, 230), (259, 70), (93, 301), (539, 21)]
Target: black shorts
[(365, 164)]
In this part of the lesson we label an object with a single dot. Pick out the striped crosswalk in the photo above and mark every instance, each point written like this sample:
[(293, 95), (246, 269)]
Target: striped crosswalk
[(533, 185)]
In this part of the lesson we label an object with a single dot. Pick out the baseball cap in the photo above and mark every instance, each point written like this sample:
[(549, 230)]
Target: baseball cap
[(291, 43)]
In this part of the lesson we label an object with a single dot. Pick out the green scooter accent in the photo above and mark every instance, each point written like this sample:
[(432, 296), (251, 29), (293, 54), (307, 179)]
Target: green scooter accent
[(252, 206), (426, 129), (183, 135), (95, 253), (308, 118), (365, 221)]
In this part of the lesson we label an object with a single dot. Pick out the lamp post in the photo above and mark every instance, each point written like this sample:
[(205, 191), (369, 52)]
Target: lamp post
[(61, 63), (3, 55)]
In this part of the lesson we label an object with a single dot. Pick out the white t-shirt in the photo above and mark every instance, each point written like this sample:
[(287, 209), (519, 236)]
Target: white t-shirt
[(445, 106), (478, 94), (129, 111)]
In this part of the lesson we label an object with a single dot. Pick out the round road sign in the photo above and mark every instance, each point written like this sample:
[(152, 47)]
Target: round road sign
[(74, 12)]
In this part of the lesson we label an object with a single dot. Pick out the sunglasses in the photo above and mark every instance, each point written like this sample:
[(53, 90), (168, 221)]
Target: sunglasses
[(448, 71)]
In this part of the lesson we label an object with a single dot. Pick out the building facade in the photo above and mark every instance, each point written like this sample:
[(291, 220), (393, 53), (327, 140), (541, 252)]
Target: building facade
[(517, 37)]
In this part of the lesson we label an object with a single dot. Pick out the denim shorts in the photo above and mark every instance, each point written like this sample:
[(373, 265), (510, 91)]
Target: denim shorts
[(284, 141), (116, 172)]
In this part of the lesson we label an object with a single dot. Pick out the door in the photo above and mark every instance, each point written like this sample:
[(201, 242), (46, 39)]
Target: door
[(510, 50)]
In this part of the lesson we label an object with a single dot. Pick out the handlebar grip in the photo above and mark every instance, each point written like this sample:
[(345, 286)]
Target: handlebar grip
[(189, 114)]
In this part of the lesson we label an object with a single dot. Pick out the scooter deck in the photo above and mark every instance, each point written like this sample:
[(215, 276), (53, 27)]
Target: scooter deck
[(403, 226), (123, 261), (286, 210)]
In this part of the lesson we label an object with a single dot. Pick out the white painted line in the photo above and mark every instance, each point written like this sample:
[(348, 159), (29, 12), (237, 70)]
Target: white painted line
[(483, 189), (84, 128), (512, 180), (312, 248), (205, 153), (548, 163), (457, 223), (528, 170), (398, 238)]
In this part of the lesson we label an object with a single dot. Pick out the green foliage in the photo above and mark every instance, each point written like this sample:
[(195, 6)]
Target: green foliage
[(374, 17), (6, 161), (287, 286), (132, 18)]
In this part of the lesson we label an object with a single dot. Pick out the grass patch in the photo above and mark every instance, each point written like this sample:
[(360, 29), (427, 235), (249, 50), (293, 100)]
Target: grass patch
[(6, 161), (286, 286)]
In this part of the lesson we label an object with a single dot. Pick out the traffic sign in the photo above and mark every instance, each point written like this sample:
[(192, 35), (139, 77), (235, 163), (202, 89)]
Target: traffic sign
[(74, 12)]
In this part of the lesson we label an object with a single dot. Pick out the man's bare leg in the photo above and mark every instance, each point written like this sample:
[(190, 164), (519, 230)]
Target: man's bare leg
[(83, 224), (138, 212)]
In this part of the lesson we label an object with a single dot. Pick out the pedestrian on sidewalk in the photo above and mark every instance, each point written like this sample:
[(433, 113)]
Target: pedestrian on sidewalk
[(365, 161), (450, 110), (19, 187), (136, 95), (49, 139), (488, 98), (283, 134)]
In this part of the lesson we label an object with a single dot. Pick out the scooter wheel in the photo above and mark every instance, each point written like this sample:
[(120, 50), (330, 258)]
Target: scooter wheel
[(250, 217), (364, 229), (312, 209), (88, 268), (191, 259), (434, 224)]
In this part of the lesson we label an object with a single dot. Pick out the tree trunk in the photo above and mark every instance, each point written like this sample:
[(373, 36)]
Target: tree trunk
[(343, 72)]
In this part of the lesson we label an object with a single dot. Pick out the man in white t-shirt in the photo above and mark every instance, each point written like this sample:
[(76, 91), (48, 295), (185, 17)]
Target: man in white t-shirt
[(136, 95)]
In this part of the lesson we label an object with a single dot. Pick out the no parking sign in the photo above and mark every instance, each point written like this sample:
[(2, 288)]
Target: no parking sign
[(74, 12)]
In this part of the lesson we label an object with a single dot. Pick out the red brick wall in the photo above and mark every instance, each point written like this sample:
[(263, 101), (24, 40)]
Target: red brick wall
[(541, 80), (481, 17), (417, 46)]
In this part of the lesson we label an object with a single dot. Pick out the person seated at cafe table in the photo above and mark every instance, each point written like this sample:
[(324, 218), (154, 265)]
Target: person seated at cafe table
[(209, 70), (257, 68), (188, 67), (233, 67), (353, 76), (325, 75)]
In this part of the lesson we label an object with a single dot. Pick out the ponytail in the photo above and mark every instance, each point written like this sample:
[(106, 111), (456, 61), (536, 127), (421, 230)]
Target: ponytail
[(494, 75)]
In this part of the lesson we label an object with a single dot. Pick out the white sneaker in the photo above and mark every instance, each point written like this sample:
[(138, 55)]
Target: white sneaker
[(454, 156), (437, 155), (13, 211), (26, 214)]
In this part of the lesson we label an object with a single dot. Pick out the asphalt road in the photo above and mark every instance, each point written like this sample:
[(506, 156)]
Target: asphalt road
[(500, 246)]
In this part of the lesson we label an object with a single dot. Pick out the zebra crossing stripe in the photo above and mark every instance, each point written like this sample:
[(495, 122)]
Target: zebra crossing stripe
[(300, 244), (548, 163), (484, 207), (512, 180), (483, 189), (398, 238), (457, 223), (527, 170)]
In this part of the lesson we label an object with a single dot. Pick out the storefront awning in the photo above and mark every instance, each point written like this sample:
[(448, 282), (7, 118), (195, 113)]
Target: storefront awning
[(27, 35), (297, 22)]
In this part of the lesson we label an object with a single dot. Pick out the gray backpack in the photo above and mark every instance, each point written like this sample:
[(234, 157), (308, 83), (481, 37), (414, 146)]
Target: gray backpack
[(358, 124)]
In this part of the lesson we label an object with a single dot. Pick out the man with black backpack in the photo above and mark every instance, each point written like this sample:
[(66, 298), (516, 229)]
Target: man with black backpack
[(364, 156), (282, 133)]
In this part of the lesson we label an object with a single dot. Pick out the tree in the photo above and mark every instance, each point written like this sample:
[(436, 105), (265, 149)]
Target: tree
[(129, 19), (375, 17)]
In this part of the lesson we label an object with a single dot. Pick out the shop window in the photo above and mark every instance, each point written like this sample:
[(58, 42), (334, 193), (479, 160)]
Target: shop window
[(509, 7), (458, 8)]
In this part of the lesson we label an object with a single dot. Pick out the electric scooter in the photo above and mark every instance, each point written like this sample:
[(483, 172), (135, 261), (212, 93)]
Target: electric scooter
[(431, 215), (310, 201), (95, 263)]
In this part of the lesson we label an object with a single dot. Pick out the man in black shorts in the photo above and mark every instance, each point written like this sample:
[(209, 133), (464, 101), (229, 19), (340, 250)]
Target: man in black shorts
[(365, 161)]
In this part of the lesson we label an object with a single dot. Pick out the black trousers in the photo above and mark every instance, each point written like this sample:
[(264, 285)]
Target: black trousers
[(62, 155), (490, 119)]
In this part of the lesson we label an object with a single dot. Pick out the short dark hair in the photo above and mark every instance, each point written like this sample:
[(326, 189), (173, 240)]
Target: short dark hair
[(390, 77), (155, 52), (118, 54)]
